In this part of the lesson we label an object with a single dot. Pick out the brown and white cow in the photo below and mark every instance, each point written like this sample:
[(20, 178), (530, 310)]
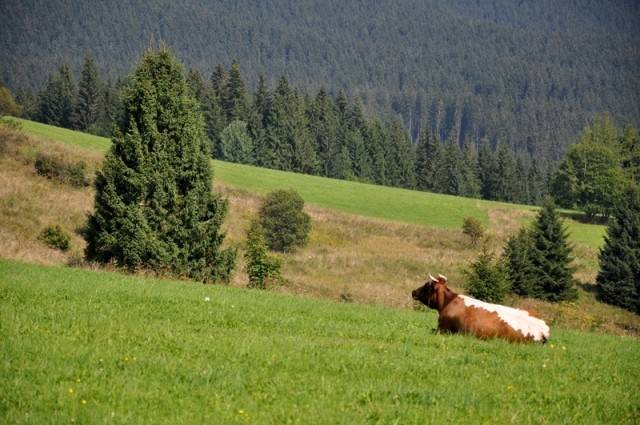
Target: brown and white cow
[(461, 313)]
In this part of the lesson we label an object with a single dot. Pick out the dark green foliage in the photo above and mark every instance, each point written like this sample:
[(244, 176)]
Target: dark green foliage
[(53, 167), (89, 100), (154, 207), (486, 278), (591, 177), (520, 270), (428, 160), (618, 281), (412, 58), (488, 171), (551, 256), (285, 223), (260, 266), (8, 105), (473, 229), (55, 237), (236, 144), (57, 100)]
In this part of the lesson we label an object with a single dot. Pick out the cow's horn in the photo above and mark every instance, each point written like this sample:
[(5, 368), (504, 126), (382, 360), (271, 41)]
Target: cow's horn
[(432, 279), (441, 276)]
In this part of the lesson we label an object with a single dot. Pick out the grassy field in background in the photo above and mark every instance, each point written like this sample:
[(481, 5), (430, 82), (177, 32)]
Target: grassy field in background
[(352, 197), (87, 347)]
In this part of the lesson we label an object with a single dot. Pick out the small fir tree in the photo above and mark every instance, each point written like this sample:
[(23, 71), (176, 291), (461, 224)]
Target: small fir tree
[(261, 267), (618, 281), (283, 218), (520, 272), (154, 207), (551, 256), (486, 278)]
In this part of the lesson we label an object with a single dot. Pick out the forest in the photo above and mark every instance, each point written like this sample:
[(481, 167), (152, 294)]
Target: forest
[(530, 75)]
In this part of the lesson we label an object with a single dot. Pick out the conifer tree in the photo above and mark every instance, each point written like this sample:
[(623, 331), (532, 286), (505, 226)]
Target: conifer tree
[(486, 278), (236, 104), (470, 180), (400, 157), (58, 98), (520, 271), (323, 126), (376, 148), (89, 101), (488, 171), (429, 158), (551, 256), (235, 143), (153, 205), (536, 183), (451, 168), (618, 281), (505, 184)]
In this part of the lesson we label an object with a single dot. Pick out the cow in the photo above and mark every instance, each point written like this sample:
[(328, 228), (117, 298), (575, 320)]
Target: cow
[(461, 313)]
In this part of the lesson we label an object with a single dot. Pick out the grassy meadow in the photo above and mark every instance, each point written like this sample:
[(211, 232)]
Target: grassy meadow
[(81, 346)]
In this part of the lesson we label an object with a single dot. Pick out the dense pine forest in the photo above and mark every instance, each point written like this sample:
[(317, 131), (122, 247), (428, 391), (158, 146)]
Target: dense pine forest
[(529, 75)]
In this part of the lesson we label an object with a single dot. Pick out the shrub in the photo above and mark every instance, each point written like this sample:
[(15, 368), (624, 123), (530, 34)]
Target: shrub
[(72, 173), (55, 237), (487, 278), (474, 229), (285, 223), (261, 267)]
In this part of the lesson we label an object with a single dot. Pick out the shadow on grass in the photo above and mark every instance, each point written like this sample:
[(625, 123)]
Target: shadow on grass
[(581, 217)]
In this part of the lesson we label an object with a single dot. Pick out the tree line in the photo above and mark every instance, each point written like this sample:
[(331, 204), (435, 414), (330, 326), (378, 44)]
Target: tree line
[(284, 128)]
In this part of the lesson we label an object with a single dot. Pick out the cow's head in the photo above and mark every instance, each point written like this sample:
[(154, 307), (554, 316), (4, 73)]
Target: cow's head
[(432, 293)]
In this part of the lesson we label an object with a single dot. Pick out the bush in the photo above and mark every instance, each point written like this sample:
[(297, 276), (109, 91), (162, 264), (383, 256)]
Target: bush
[(55, 168), (285, 223), (474, 229), (487, 280), (55, 237), (261, 267)]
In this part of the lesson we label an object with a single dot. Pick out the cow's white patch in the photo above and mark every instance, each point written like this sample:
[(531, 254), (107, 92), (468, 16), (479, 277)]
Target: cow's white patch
[(519, 320)]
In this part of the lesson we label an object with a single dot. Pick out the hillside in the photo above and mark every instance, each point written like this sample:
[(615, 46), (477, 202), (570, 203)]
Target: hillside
[(363, 257), (532, 74), (89, 347)]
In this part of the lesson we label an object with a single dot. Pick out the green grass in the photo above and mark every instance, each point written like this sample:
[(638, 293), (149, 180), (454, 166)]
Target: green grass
[(150, 351), (402, 205), (71, 137)]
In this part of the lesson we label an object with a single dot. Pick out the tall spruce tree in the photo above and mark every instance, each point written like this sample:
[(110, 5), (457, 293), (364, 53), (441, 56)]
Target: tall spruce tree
[(429, 158), (323, 126), (551, 256), (154, 207), (618, 281), (488, 171), (89, 100), (56, 101)]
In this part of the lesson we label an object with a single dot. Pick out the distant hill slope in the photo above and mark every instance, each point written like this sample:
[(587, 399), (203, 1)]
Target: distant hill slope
[(402, 205), (531, 73)]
